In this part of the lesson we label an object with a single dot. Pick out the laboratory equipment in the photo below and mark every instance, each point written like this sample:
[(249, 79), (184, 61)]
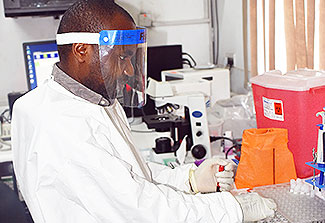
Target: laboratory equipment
[(237, 113), (168, 152), (36, 7), (178, 127), (191, 89), (39, 60), (163, 151), (319, 158), (227, 144), (295, 208), (321, 140), (285, 101), (300, 187), (219, 78), (194, 96), (163, 145)]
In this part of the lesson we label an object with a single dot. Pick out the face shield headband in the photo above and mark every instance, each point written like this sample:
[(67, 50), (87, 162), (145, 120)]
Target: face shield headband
[(122, 61)]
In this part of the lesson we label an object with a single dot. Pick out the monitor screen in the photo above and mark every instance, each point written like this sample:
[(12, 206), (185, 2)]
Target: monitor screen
[(39, 60), (159, 58)]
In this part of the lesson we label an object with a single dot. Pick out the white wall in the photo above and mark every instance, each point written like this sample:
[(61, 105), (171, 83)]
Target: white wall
[(231, 39), (230, 31), (195, 38)]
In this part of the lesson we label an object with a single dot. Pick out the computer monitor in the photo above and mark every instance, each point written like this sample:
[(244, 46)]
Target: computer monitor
[(159, 58), (39, 60)]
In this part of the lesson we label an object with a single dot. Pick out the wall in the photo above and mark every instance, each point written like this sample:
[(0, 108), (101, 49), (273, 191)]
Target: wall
[(231, 40), (15, 31), (166, 14)]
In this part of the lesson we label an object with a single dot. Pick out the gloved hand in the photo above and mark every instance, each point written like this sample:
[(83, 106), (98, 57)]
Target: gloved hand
[(255, 207), (205, 177)]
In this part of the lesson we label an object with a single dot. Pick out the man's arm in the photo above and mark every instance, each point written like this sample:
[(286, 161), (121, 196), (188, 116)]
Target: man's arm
[(177, 177), (111, 191)]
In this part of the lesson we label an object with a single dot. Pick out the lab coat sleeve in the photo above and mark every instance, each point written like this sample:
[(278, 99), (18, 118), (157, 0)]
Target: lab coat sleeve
[(111, 192), (177, 177)]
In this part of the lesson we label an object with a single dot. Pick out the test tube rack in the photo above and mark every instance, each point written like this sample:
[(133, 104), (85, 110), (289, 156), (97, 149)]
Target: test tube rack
[(317, 181)]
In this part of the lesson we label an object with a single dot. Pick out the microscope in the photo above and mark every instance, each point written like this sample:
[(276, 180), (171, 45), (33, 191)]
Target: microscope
[(193, 96)]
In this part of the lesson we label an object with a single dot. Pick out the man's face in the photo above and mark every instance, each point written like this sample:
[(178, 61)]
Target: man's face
[(122, 68), (117, 63), (113, 66)]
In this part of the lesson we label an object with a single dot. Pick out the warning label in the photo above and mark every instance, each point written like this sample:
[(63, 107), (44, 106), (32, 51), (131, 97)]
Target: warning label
[(273, 109)]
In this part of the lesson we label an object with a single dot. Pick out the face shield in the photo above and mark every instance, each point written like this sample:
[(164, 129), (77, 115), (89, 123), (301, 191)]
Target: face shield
[(122, 59)]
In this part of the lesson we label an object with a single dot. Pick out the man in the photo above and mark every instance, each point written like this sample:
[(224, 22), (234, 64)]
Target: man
[(73, 153)]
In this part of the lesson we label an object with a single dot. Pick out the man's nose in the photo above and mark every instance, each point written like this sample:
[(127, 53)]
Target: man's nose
[(129, 69)]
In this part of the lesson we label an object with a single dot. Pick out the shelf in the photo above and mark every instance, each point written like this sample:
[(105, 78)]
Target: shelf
[(316, 166), (316, 182)]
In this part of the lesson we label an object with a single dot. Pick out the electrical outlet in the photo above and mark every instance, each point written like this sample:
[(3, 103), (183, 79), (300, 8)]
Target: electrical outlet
[(6, 130), (145, 19), (230, 60)]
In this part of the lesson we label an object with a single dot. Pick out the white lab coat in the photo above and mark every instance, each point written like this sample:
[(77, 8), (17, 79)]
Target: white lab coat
[(72, 165)]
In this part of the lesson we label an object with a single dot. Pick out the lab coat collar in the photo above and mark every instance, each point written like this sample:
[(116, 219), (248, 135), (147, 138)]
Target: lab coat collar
[(77, 88)]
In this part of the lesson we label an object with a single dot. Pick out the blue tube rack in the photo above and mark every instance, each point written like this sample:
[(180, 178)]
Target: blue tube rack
[(321, 168)]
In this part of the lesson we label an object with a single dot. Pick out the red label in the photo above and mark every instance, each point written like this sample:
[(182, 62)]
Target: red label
[(278, 108)]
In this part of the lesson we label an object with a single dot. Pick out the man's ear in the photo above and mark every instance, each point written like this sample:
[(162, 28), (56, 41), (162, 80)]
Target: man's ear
[(80, 51)]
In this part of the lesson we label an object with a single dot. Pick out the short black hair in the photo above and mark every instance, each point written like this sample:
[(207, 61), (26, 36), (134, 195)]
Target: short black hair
[(87, 16)]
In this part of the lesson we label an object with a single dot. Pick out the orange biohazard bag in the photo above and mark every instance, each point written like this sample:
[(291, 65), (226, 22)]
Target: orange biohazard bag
[(265, 158)]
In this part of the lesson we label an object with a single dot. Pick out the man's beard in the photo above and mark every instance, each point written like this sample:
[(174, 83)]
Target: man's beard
[(96, 82)]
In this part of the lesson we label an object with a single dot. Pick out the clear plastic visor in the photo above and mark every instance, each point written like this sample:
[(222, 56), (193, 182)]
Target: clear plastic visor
[(122, 55)]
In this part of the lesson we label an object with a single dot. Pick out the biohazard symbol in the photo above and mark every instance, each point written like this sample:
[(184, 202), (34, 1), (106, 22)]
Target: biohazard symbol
[(278, 108)]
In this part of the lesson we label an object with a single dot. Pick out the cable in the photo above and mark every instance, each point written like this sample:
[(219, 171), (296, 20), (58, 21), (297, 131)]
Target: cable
[(4, 143), (187, 62), (234, 146), (142, 111), (217, 23), (6, 110), (194, 62), (132, 116), (139, 131), (3, 117), (215, 138), (132, 111)]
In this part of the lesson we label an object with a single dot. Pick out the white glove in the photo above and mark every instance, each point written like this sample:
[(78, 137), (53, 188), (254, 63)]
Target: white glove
[(225, 178), (255, 207), (206, 176)]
